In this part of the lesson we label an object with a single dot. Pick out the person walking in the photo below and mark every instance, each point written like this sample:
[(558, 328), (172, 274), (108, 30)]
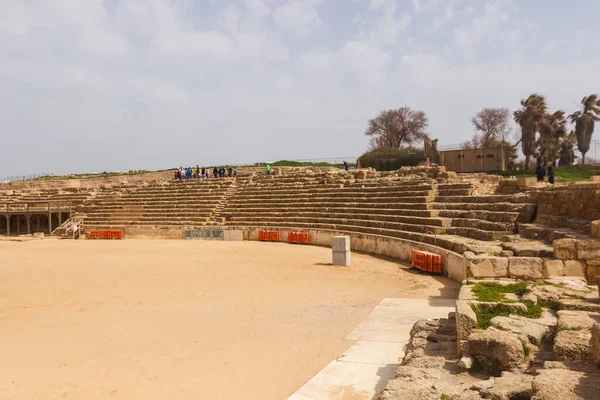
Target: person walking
[(540, 172), (346, 165), (229, 171), (202, 173), (234, 173), (550, 173), (268, 169), (216, 172)]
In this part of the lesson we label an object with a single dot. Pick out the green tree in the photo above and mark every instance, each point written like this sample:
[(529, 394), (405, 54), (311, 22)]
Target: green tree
[(529, 117), (584, 121)]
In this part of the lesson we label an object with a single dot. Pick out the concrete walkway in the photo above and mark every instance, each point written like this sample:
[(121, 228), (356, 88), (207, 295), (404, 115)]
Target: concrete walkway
[(363, 370)]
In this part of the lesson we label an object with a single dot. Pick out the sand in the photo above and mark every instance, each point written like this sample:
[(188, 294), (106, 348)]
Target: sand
[(159, 319)]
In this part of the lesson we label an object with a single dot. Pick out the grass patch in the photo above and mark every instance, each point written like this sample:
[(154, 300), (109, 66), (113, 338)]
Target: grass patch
[(551, 304), (494, 292), (444, 396), (485, 313)]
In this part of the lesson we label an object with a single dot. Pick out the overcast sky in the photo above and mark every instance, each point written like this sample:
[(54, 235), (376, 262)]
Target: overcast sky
[(93, 85)]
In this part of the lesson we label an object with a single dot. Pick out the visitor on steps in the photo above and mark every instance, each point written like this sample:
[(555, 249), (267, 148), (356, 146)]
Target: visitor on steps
[(550, 171), (222, 171), (197, 173), (268, 169), (202, 173), (181, 174), (346, 165), (215, 172), (235, 173), (540, 172), (229, 171), (176, 174)]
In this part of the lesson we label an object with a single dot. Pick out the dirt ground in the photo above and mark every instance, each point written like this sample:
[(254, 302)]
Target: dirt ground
[(157, 319)]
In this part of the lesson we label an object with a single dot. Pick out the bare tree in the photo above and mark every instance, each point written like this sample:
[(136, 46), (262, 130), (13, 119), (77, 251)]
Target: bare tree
[(394, 128), (493, 125)]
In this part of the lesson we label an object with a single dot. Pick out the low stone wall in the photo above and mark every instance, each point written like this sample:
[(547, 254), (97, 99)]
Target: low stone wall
[(400, 249), (584, 253), (529, 268)]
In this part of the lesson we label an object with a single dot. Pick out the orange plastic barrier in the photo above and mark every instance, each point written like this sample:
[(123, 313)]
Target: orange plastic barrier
[(426, 261), (105, 234), (268, 236), (298, 237)]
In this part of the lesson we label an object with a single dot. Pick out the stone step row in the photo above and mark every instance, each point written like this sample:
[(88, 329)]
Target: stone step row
[(174, 214), (546, 233), (482, 199), (494, 216), (330, 217), (303, 204), (147, 221), (478, 234), (324, 211), (483, 225), (499, 206), (110, 223), (341, 199)]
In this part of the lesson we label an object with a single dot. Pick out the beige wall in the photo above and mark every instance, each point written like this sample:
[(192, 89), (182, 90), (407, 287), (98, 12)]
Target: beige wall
[(474, 160)]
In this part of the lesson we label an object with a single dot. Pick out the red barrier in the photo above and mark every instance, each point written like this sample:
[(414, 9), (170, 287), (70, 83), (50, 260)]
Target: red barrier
[(269, 236), (426, 261), (298, 237), (105, 234)]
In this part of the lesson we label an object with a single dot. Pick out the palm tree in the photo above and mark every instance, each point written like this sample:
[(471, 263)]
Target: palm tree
[(553, 128), (584, 121), (567, 155), (530, 118)]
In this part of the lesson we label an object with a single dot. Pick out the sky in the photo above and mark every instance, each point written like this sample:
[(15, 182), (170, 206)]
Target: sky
[(107, 85)]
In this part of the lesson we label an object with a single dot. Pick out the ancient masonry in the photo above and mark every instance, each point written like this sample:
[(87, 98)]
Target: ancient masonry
[(527, 319)]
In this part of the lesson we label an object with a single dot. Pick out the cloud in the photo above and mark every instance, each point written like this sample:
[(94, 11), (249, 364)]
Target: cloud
[(158, 83)]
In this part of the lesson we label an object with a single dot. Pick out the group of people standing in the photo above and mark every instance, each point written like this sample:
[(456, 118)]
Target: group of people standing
[(204, 173), (541, 172)]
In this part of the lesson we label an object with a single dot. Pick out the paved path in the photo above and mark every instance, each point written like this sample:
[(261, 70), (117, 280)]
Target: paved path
[(364, 369)]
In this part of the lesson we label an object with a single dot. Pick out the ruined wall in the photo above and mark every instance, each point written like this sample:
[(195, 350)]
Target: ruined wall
[(575, 200)]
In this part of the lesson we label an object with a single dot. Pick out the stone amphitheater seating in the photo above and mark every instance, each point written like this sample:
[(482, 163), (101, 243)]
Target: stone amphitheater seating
[(189, 204), (415, 209)]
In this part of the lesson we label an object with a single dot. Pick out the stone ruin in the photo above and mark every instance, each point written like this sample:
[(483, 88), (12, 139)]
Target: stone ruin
[(534, 249)]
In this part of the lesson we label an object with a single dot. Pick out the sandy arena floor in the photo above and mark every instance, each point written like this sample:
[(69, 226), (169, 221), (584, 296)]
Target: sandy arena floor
[(167, 319)]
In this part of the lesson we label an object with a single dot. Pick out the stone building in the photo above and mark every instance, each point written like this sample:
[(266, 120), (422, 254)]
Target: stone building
[(475, 160)]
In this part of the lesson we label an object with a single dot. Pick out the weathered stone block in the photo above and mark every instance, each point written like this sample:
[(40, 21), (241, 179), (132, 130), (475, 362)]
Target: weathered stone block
[(573, 345), (340, 243), (501, 348), (595, 228), (488, 267), (565, 249), (553, 268), (466, 320), (588, 249), (342, 258), (574, 268), (535, 332), (525, 267), (592, 271)]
